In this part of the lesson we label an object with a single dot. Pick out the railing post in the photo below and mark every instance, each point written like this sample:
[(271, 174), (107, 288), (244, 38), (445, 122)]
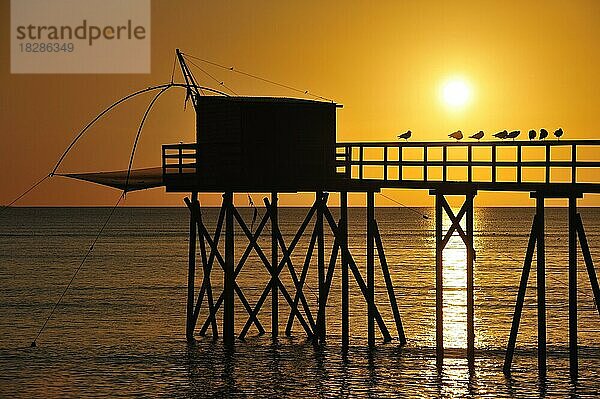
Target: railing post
[(518, 163), (385, 161), (494, 163), (348, 162), (360, 162), (399, 162), (180, 160), (574, 163), (444, 160), (547, 163), (424, 163), (469, 161)]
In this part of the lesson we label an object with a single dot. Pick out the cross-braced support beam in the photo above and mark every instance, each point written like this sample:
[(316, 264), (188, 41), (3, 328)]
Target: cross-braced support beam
[(281, 258), (441, 239), (536, 239)]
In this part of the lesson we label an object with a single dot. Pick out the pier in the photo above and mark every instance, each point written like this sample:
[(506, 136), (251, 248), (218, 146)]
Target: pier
[(286, 145)]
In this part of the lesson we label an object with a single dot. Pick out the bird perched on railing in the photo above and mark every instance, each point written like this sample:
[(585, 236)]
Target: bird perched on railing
[(478, 136), (532, 134), (501, 135), (543, 134), (558, 133), (513, 135), (456, 135), (406, 135)]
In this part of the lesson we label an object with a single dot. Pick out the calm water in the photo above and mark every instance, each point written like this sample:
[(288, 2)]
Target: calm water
[(119, 331)]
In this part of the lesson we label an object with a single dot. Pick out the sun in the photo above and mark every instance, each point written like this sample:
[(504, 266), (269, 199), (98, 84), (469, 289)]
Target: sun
[(456, 93)]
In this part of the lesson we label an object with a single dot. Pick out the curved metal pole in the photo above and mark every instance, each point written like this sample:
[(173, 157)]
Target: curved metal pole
[(122, 100)]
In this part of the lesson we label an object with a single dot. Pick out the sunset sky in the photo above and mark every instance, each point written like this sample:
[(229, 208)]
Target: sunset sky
[(526, 65)]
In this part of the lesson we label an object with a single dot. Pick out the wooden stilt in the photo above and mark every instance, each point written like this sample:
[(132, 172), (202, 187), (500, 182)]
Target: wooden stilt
[(274, 263), (206, 287), (213, 310), (439, 282), (514, 330), (589, 264), (228, 283), (541, 287), (389, 285), (282, 262), (344, 246), (370, 269), (470, 283), (321, 324), (358, 277), (195, 210), (573, 356), (328, 280), (364, 290), (304, 273), (189, 330)]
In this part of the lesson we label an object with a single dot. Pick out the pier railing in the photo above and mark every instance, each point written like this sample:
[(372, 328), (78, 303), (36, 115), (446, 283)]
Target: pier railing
[(179, 159), (548, 162)]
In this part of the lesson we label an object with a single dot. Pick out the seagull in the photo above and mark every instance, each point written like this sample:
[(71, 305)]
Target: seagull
[(558, 133), (406, 135), (543, 134), (478, 136), (532, 134), (501, 135), (456, 135), (513, 135)]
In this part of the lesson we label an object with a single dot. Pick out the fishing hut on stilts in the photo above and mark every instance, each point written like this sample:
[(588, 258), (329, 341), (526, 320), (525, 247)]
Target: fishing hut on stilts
[(273, 145), (287, 145)]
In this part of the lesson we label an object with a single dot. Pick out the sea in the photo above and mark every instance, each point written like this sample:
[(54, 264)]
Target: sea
[(119, 331)]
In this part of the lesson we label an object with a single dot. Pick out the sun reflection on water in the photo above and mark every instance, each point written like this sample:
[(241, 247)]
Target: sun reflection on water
[(455, 294)]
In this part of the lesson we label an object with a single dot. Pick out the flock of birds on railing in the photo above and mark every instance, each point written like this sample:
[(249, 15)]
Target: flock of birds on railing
[(505, 134)]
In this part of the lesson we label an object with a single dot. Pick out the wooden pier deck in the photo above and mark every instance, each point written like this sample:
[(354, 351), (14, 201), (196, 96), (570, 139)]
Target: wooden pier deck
[(566, 169)]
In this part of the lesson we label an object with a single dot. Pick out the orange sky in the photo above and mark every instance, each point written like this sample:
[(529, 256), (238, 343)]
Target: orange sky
[(531, 64)]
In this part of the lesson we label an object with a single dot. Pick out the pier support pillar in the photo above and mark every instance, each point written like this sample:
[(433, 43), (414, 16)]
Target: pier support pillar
[(541, 286), (274, 264), (470, 284), (344, 248), (441, 240), (573, 355), (229, 277), (321, 323), (439, 282), (191, 290), (370, 269)]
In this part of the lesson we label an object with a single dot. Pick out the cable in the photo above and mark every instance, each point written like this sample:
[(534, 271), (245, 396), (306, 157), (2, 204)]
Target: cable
[(33, 343), (212, 77), (139, 132), (424, 216), (5, 207), (173, 70), (233, 69)]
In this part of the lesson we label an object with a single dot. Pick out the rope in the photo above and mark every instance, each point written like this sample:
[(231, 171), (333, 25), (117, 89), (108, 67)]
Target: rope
[(424, 216), (233, 69), (173, 70), (139, 132), (33, 343), (212, 77), (5, 207)]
